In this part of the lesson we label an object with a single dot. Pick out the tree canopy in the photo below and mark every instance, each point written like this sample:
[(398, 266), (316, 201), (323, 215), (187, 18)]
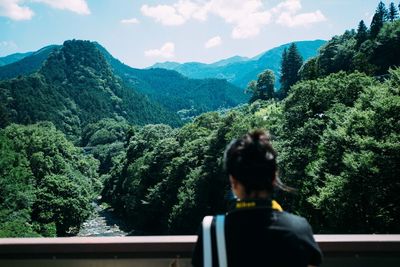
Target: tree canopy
[(46, 183), (263, 88), (291, 64)]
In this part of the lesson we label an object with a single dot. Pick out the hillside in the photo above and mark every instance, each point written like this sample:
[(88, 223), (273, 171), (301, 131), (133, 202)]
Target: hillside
[(238, 70), (74, 87), (13, 58), (27, 64), (361, 50), (187, 96)]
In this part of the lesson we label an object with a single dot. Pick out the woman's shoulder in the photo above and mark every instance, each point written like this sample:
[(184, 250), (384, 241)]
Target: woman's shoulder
[(292, 222)]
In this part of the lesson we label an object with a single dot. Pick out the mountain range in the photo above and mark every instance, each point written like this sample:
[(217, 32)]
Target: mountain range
[(188, 97), (75, 86), (24, 63), (173, 91), (241, 70), (13, 58), (80, 82)]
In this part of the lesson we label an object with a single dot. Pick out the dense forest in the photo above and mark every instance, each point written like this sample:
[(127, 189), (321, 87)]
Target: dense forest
[(335, 122), (47, 184), (337, 139)]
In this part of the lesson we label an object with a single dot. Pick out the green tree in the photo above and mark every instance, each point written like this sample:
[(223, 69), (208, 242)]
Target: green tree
[(309, 70), (304, 120), (337, 54), (64, 202), (105, 140), (17, 192), (387, 52), (48, 183), (284, 70), (291, 63), (362, 59), (362, 34), (263, 89), (393, 14), (355, 162), (380, 16), (251, 89)]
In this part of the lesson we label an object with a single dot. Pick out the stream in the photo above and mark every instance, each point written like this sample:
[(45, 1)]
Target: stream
[(103, 222)]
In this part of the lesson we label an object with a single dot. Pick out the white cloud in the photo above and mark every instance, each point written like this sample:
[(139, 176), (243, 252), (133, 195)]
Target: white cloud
[(213, 42), (247, 17), (165, 14), (287, 14), (190, 9), (166, 51), (291, 6), (77, 6), (130, 21), (303, 19), (14, 10)]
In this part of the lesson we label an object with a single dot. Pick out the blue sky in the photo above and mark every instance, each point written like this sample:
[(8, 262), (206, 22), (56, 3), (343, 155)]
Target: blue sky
[(141, 33)]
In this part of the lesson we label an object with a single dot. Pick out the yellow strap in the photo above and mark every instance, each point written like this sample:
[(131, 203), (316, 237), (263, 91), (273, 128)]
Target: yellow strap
[(276, 206), (240, 205)]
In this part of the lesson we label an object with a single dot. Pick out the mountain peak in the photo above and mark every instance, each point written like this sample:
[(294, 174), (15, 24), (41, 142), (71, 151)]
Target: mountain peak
[(76, 86), (230, 60), (74, 59), (241, 70)]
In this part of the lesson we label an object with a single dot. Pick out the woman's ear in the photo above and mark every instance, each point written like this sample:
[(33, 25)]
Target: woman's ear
[(236, 187)]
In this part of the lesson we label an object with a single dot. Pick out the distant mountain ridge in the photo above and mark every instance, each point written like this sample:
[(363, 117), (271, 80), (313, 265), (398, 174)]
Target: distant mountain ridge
[(13, 58), (188, 90), (29, 62), (188, 97), (240, 70), (73, 87)]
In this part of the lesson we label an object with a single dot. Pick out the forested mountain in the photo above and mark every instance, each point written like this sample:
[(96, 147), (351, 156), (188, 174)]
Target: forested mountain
[(372, 51), (240, 71), (337, 135), (13, 58), (74, 87), (186, 96), (28, 64)]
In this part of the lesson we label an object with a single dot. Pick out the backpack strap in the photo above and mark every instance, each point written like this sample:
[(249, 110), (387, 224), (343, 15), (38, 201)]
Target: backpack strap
[(221, 246), (207, 249), (220, 237)]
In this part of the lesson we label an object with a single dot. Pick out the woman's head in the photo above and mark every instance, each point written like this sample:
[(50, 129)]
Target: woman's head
[(251, 160)]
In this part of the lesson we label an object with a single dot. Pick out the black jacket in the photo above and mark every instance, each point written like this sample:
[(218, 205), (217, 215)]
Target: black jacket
[(257, 235)]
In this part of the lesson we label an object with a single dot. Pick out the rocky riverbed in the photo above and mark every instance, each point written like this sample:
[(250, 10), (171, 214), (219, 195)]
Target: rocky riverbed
[(102, 223)]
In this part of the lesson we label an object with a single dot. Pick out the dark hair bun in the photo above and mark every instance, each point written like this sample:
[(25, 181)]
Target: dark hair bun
[(252, 160)]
